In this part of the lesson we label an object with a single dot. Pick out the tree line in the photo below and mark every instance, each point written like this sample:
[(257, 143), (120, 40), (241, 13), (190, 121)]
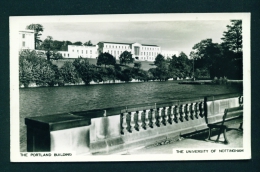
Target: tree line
[(33, 68)]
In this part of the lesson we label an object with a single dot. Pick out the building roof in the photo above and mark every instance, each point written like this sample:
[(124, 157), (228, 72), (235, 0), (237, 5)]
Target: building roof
[(150, 45), (127, 43), (116, 43)]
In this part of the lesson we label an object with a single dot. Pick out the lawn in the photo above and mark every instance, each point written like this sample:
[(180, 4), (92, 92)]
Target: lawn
[(145, 64)]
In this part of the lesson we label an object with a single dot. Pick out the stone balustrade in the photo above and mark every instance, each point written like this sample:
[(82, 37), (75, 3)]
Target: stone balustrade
[(119, 128)]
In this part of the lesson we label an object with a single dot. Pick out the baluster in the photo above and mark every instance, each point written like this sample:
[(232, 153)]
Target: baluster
[(124, 123), (132, 122), (196, 110), (170, 114), (146, 120), (165, 116), (192, 111), (202, 109), (152, 117), (176, 113), (240, 101), (181, 112), (186, 112), (159, 117), (139, 120)]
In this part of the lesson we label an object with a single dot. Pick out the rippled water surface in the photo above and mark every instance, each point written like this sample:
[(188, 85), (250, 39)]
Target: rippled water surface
[(53, 100)]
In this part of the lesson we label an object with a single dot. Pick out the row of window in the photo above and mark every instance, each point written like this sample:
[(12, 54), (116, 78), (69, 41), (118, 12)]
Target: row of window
[(90, 51), (122, 46), (146, 58), (142, 53), (127, 47)]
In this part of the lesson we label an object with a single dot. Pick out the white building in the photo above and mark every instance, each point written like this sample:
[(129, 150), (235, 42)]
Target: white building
[(168, 54), (75, 51), (141, 52), (26, 39)]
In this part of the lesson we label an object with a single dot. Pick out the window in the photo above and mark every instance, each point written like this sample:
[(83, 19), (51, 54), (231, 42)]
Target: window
[(82, 51), (23, 44), (68, 55), (72, 50), (77, 50), (23, 35), (90, 52), (86, 51)]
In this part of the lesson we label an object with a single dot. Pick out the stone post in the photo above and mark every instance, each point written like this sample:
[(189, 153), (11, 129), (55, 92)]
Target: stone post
[(166, 116), (146, 119), (153, 118), (181, 113), (176, 113), (139, 120), (192, 111), (159, 117), (170, 114), (124, 123), (202, 109), (132, 122)]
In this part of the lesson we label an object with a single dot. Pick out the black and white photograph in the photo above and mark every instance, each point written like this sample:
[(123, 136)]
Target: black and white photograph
[(130, 87)]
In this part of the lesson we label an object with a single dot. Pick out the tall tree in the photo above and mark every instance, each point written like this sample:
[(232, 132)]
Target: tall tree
[(37, 29), (207, 54), (77, 43), (89, 43), (162, 68), (126, 58), (106, 59), (85, 70), (159, 59), (180, 66), (233, 36)]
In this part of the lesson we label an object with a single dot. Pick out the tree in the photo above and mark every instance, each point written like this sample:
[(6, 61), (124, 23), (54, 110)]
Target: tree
[(159, 59), (180, 66), (161, 70), (126, 57), (37, 29), (137, 65), (64, 47), (85, 70), (233, 36), (106, 59), (207, 54), (68, 73), (89, 43), (77, 43)]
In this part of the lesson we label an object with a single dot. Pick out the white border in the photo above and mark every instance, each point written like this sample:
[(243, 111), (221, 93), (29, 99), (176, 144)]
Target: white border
[(14, 84)]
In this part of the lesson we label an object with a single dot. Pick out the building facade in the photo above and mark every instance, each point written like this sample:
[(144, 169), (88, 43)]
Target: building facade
[(141, 52), (76, 51), (168, 54), (26, 39)]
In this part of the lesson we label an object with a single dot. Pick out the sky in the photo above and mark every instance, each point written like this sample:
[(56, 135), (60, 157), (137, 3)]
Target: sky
[(169, 35)]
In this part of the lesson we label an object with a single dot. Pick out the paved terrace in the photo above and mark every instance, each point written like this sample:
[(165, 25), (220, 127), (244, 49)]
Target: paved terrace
[(196, 141)]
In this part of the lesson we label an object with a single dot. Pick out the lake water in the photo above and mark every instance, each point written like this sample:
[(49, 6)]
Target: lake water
[(53, 100)]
